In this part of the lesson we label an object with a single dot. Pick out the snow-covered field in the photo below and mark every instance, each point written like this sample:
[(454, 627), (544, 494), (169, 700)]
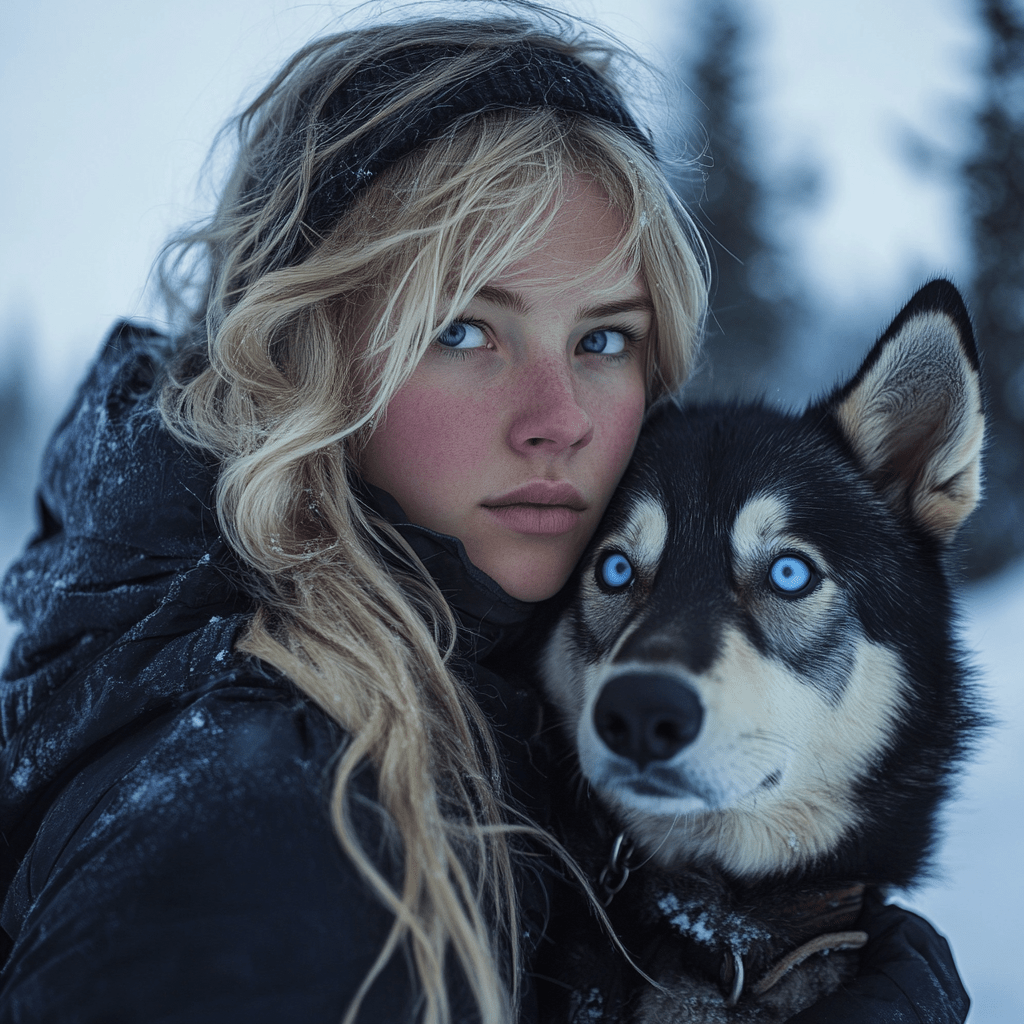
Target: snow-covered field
[(979, 897)]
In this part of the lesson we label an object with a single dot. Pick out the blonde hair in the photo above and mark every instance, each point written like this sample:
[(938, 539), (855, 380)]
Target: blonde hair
[(294, 368)]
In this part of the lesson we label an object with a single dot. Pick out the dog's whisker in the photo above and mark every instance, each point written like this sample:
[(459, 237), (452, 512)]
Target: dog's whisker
[(668, 832)]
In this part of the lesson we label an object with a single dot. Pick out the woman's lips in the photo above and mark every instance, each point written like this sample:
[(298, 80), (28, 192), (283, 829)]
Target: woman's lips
[(543, 507), (537, 519)]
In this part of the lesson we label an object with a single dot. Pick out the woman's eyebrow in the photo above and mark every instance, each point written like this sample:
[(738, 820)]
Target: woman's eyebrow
[(504, 298), (634, 304), (514, 301)]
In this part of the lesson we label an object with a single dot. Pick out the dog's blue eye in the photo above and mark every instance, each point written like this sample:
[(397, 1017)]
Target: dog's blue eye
[(791, 576), (614, 571)]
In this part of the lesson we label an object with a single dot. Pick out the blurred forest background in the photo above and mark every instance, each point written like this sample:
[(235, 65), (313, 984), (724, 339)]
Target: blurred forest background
[(766, 321), (771, 329)]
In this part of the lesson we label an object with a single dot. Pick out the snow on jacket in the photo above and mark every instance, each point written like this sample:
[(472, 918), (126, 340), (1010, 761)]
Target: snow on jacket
[(168, 854)]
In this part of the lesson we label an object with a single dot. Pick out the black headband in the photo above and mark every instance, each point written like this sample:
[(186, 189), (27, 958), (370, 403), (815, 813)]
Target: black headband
[(524, 76)]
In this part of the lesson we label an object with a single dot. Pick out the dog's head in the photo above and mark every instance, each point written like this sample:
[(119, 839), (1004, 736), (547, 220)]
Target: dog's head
[(755, 664)]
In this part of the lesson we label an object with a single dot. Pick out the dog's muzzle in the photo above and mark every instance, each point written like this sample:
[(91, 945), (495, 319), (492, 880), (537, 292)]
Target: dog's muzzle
[(647, 717)]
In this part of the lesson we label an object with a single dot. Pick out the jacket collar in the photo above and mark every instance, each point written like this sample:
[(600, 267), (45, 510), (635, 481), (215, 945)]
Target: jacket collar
[(487, 616)]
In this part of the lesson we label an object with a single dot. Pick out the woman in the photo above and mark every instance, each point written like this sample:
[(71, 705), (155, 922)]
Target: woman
[(259, 763)]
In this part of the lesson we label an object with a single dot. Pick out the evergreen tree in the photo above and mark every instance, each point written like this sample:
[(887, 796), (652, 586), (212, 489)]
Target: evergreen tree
[(995, 200), (753, 313), (15, 411)]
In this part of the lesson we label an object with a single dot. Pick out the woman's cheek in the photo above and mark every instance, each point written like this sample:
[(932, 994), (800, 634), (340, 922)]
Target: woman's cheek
[(620, 422), (629, 416), (430, 451)]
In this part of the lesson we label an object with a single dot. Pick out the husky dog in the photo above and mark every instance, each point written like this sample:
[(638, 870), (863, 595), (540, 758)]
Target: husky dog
[(757, 669)]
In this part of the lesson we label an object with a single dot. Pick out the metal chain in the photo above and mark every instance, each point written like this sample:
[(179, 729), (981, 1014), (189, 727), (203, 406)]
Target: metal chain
[(616, 871)]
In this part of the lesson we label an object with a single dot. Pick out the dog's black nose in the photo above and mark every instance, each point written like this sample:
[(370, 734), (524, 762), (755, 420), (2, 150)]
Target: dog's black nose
[(647, 717)]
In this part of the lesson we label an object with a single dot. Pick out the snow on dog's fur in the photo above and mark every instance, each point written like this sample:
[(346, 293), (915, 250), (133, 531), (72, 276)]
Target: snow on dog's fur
[(757, 668)]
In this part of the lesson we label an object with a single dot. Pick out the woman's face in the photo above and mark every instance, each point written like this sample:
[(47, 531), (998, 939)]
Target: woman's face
[(517, 424)]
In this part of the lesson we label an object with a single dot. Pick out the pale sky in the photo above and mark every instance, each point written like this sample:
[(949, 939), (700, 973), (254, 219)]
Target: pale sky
[(107, 110)]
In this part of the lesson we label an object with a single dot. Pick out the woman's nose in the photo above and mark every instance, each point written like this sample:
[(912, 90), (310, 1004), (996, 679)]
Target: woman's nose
[(548, 414)]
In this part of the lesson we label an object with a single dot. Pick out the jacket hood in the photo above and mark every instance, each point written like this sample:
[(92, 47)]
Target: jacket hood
[(128, 599)]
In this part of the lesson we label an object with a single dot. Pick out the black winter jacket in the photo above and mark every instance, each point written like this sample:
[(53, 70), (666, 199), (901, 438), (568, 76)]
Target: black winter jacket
[(164, 843), (167, 852)]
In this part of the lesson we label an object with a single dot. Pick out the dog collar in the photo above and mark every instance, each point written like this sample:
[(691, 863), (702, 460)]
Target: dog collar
[(800, 925), (754, 961)]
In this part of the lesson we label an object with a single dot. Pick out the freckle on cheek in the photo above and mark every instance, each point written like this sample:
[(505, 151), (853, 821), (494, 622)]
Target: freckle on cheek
[(438, 435), (623, 427)]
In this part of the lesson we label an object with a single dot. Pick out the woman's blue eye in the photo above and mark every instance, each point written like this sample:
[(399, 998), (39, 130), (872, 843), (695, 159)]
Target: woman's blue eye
[(614, 571), (462, 335), (605, 343), (791, 576)]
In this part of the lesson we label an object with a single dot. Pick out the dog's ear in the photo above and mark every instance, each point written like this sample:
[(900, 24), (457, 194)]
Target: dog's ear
[(913, 412)]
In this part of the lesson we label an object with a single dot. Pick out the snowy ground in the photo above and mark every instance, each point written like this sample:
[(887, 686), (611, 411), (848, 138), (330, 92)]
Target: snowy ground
[(980, 897)]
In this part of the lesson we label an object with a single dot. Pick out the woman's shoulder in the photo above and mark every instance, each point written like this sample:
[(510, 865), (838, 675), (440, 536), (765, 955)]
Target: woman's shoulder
[(193, 862), (170, 726)]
